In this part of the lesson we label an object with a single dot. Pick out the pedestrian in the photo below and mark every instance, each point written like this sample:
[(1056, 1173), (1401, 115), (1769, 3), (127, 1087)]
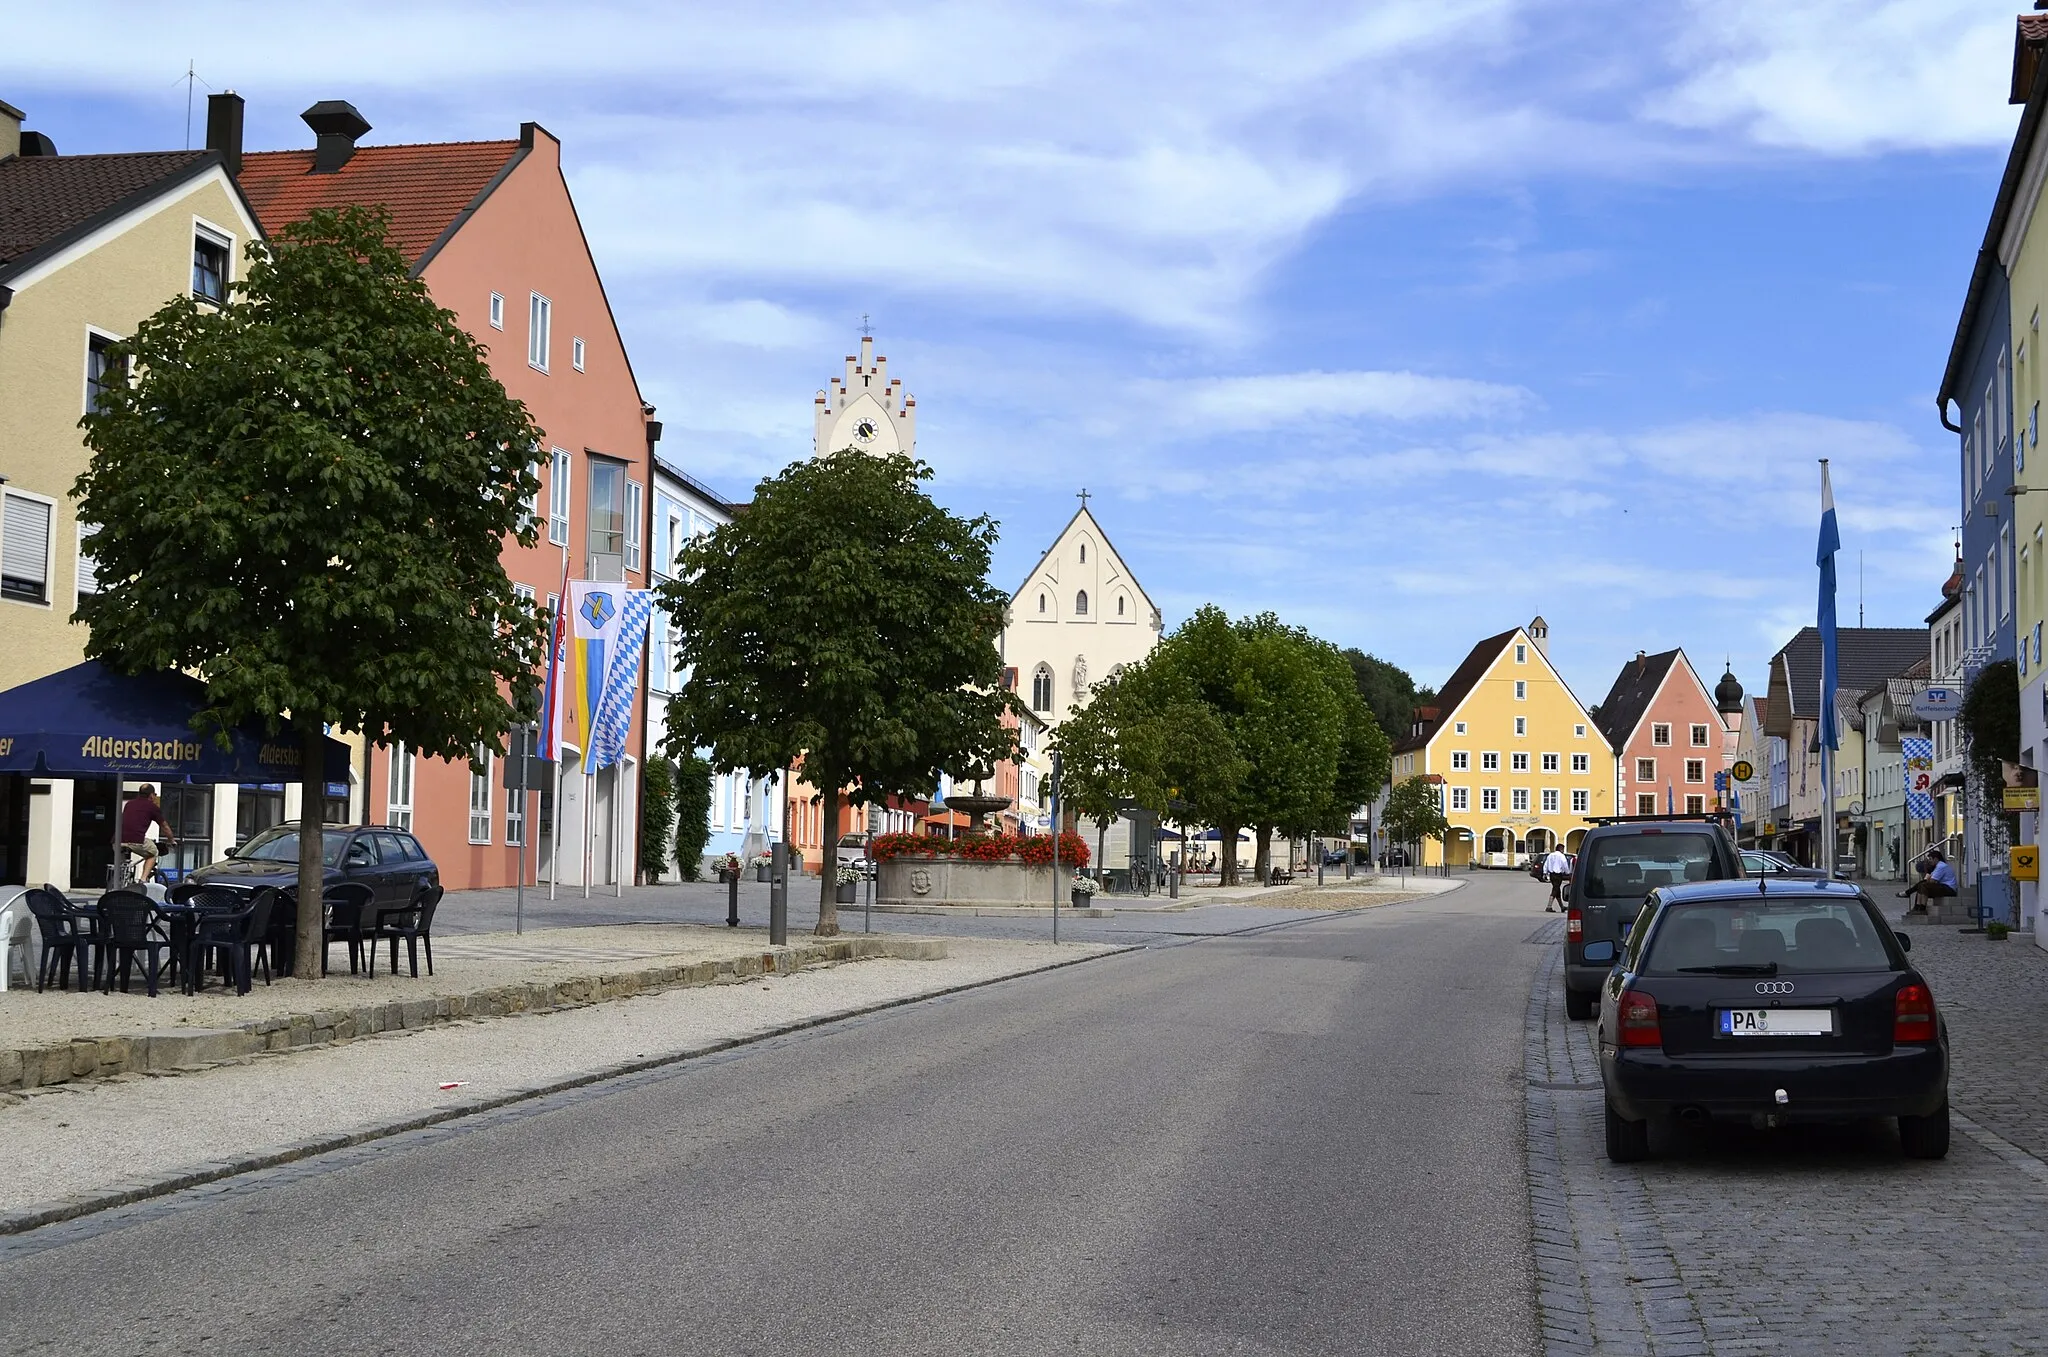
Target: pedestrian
[(1937, 881), (141, 817), (1558, 868)]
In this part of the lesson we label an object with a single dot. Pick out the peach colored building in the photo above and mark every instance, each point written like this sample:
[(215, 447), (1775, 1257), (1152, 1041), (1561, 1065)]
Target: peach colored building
[(1670, 734), (491, 227)]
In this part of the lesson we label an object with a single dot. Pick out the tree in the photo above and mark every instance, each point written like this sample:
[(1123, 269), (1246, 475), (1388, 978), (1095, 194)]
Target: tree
[(693, 813), (844, 621), (303, 497), (657, 807), (1414, 813), (1387, 689)]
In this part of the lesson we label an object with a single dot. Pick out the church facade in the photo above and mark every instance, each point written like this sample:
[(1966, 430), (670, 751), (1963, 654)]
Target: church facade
[(866, 409)]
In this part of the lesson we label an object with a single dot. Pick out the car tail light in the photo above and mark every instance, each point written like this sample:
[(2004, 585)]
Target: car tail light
[(1912, 1014), (1636, 1019), (1574, 924)]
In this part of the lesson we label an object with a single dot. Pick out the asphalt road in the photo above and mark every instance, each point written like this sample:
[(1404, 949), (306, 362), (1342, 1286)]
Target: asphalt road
[(1301, 1140)]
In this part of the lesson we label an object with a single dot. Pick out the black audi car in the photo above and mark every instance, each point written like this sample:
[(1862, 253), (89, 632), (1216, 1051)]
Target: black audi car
[(1770, 1002), (389, 861)]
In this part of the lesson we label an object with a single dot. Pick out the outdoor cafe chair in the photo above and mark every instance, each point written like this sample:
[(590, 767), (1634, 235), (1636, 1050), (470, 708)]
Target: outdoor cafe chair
[(346, 903), (415, 924), (128, 925), (235, 938), (17, 934), (280, 940), (65, 939)]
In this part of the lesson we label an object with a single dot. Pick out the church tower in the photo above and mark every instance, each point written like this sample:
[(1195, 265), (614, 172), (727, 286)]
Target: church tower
[(866, 409)]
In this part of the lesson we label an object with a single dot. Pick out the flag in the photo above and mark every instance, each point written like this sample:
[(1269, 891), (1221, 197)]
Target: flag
[(550, 742), (613, 722), (595, 611), (1917, 753), (1670, 799), (1830, 543)]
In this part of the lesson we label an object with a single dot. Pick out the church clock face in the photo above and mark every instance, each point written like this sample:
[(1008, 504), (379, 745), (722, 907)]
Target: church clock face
[(865, 431)]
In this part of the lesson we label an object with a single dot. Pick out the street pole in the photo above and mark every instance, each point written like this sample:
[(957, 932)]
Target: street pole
[(1055, 847), (1316, 847), (778, 895)]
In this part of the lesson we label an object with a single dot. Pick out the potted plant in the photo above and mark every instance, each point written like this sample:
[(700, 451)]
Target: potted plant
[(1081, 890), (849, 881), (763, 864), (1996, 932), (727, 866)]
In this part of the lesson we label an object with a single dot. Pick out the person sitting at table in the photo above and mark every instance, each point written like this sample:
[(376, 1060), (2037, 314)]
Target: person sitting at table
[(141, 814), (1937, 881)]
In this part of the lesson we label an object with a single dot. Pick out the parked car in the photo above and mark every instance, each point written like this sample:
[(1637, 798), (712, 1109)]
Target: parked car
[(390, 861), (1619, 864), (1762, 862), (853, 848), (1775, 1002)]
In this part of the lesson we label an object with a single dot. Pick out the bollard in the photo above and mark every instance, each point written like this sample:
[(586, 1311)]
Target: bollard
[(1172, 883), (732, 900), (778, 897)]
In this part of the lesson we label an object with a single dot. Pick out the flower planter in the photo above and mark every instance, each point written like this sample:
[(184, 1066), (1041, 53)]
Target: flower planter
[(1080, 899), (846, 893), (761, 873)]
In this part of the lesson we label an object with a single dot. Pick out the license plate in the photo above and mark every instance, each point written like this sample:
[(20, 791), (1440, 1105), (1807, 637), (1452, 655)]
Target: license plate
[(1777, 1022)]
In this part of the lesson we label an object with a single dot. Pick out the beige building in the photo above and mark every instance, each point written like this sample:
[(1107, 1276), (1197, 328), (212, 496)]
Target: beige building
[(89, 246), (865, 408)]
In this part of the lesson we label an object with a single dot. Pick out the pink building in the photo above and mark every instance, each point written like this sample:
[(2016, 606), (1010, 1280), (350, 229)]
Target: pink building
[(1670, 734)]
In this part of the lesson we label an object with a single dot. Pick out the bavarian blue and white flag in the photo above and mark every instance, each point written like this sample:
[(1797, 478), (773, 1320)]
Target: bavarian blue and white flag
[(611, 726), (1830, 543), (1917, 753)]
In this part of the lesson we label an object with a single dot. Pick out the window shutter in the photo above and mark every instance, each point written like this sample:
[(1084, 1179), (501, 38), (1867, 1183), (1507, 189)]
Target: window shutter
[(25, 549), (88, 569)]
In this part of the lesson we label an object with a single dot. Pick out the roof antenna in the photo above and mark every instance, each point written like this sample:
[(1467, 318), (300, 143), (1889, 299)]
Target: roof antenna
[(1859, 587), (188, 80)]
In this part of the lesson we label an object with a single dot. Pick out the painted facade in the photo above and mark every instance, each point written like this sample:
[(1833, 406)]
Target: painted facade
[(1670, 735), (1521, 764)]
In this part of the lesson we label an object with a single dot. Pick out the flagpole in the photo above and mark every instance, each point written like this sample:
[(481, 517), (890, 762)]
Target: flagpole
[(1830, 543), (589, 795)]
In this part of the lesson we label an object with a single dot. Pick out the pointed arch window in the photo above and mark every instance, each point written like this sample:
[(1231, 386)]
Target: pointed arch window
[(1081, 603), (1119, 605), (1041, 688), (1084, 553), (1041, 602)]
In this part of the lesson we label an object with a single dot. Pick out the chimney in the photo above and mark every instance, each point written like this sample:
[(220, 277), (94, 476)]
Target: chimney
[(10, 129), (337, 124), (224, 129)]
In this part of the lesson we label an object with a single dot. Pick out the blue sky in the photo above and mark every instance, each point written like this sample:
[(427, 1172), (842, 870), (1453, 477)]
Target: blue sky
[(1405, 320)]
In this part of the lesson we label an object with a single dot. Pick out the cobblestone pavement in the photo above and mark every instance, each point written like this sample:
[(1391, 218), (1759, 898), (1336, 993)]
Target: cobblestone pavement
[(1821, 1240)]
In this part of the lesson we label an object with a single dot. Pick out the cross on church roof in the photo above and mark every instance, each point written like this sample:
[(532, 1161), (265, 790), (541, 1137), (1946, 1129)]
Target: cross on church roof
[(1083, 497), (866, 329)]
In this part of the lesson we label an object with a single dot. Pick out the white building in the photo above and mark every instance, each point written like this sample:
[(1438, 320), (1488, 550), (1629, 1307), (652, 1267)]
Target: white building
[(865, 408)]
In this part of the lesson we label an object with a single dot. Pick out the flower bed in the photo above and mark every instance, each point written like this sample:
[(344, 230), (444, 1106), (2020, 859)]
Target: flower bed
[(1034, 850)]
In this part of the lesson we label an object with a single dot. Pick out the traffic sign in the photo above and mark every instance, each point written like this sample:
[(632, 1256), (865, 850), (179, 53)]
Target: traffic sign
[(1743, 770)]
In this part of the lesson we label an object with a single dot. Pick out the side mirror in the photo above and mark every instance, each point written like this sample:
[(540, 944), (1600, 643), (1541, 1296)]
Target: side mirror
[(230, 851), (1905, 940), (1597, 952)]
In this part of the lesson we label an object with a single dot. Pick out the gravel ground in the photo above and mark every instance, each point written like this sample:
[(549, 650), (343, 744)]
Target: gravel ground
[(462, 965), (84, 1137)]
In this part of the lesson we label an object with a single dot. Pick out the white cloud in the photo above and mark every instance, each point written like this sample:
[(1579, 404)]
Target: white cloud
[(1278, 400), (1845, 77)]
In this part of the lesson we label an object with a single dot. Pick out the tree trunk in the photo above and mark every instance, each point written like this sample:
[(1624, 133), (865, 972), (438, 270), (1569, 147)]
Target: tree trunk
[(1226, 850), (312, 929), (1262, 854), (828, 867)]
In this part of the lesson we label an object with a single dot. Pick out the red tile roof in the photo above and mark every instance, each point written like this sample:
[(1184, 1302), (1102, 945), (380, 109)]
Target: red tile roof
[(47, 199), (425, 187)]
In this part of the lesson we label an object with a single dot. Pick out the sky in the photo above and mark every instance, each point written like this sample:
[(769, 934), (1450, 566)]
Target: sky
[(1405, 320)]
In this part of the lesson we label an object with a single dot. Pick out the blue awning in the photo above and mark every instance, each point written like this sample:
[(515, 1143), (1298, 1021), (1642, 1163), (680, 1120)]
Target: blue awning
[(89, 721)]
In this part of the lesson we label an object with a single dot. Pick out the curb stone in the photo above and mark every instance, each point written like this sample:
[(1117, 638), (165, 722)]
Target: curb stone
[(184, 1050), (142, 1189)]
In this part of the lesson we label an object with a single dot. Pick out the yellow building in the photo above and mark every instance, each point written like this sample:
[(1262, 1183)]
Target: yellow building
[(1519, 763)]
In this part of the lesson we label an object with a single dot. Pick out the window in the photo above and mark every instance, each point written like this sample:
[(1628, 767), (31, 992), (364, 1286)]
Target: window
[(88, 573), (1646, 770), (1550, 763), (1489, 763), (101, 371), (1081, 603), (538, 316), (25, 548), (607, 535), (1119, 605), (1460, 761), (497, 310), (1549, 801), (1084, 553), (1699, 737), (480, 796), (1518, 763), (1521, 725), (1041, 604), (1458, 728), (209, 267), (523, 592), (576, 353), (559, 480), (1695, 805), (1695, 770), (398, 791), (1521, 653), (633, 526), (1489, 798), (1646, 803), (1660, 733), (1582, 763), (1041, 688), (1582, 801), (1521, 690), (2005, 594), (1519, 799), (1461, 798), (1579, 731)]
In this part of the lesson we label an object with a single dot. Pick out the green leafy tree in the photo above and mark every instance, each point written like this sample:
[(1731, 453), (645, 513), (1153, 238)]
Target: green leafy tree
[(1414, 812), (844, 621), (1387, 689), (302, 498), (693, 814), (657, 822)]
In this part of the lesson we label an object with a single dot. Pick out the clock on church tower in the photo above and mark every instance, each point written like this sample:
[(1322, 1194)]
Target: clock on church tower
[(865, 409)]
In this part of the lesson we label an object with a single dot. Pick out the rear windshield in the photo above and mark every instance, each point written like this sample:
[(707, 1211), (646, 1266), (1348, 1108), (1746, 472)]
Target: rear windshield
[(1630, 866), (1812, 934)]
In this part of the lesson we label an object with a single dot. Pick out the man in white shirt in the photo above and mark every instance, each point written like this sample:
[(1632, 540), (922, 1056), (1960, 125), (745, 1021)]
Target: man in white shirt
[(1558, 868), (1937, 881)]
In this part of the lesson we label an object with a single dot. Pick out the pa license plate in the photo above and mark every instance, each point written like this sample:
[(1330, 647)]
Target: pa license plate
[(1777, 1022)]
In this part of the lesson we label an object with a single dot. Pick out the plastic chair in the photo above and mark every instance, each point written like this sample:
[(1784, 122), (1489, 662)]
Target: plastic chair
[(64, 939), (415, 924), (236, 937), (17, 934), (345, 904), (128, 925)]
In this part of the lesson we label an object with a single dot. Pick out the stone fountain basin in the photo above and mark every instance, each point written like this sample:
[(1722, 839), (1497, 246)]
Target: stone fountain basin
[(963, 881)]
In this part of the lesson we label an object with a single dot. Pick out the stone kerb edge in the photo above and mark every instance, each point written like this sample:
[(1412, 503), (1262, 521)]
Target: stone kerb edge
[(173, 1051)]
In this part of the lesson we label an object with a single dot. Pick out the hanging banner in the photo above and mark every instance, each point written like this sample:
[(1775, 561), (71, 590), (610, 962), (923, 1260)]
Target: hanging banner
[(611, 726), (1918, 753)]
